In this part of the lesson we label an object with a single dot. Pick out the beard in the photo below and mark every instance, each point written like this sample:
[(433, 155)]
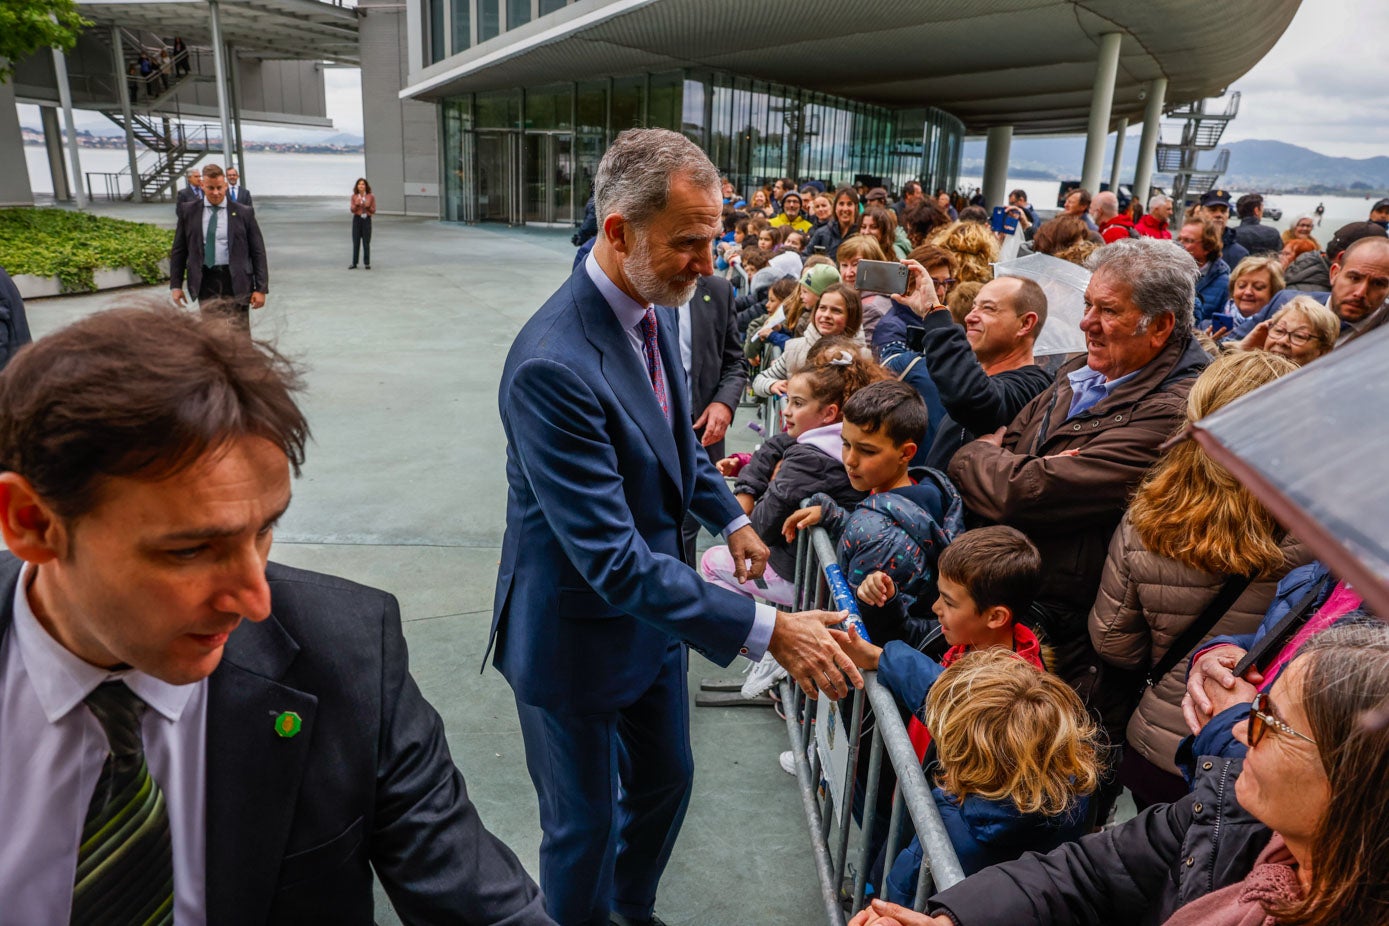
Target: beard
[(649, 284)]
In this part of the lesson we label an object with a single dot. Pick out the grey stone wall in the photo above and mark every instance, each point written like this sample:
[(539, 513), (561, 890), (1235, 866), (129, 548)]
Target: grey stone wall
[(402, 136)]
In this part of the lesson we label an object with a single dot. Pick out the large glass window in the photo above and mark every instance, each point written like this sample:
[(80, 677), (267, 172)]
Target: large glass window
[(692, 119), (436, 30), (549, 6), (663, 111), (488, 19), (462, 25), (518, 13), (550, 108), (499, 109), (629, 103)]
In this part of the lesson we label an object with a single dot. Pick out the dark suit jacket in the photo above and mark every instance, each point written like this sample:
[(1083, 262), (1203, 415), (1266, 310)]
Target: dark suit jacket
[(591, 588), (246, 250), (718, 370), (296, 825), (243, 196), (187, 195)]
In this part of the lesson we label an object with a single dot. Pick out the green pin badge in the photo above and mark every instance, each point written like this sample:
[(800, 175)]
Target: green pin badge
[(706, 298), (287, 724)]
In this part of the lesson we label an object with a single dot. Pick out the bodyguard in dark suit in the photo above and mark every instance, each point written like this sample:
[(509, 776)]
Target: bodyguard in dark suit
[(594, 606), (264, 717), (237, 193), (711, 351), (193, 192), (219, 248)]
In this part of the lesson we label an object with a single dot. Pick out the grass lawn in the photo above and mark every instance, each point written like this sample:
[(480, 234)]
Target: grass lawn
[(73, 245)]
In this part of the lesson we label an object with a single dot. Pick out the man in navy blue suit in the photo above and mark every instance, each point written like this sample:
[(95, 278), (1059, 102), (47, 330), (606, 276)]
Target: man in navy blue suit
[(594, 607)]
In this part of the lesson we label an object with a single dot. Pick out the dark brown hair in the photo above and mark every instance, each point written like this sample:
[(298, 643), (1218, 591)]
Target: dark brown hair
[(1210, 238), (997, 565), (853, 306), (357, 181), (886, 224), (1059, 233), (892, 407), (143, 391), (838, 370)]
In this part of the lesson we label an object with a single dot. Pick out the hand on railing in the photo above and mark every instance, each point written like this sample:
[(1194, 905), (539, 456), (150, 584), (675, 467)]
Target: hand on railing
[(864, 654), (802, 643), (882, 913)]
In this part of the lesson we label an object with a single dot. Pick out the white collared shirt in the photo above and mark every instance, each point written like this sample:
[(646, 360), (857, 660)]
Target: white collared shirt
[(629, 314), (52, 749), (223, 249)]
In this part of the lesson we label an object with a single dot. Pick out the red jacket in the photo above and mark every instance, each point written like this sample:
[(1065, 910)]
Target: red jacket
[(1116, 228), (1152, 228), (1025, 644)]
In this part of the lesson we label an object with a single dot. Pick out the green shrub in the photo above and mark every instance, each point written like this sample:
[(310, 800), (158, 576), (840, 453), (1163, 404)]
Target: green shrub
[(73, 245)]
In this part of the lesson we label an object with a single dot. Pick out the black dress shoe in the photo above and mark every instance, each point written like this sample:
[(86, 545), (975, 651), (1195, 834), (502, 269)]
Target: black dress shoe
[(617, 919), (368, 266), (353, 267)]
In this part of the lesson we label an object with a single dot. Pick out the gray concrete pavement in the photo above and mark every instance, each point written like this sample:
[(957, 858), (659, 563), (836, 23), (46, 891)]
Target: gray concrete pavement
[(404, 489)]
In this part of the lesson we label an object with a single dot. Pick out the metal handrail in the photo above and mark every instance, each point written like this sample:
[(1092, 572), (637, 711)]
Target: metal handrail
[(820, 583)]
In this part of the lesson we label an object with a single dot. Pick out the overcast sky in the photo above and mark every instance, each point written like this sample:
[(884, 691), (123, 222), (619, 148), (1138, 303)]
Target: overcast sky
[(1321, 86)]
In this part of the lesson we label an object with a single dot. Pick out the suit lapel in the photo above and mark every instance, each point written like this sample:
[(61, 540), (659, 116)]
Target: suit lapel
[(627, 375), (253, 773)]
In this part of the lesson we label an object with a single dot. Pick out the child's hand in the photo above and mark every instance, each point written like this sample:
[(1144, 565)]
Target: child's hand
[(778, 387), (729, 466), (804, 518), (877, 589), (864, 654)]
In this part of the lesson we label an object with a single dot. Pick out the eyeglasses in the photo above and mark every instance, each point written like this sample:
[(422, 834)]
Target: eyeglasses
[(1261, 718), (1298, 337), (945, 285)]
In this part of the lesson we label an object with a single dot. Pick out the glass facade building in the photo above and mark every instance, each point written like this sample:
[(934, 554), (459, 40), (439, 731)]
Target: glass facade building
[(529, 155)]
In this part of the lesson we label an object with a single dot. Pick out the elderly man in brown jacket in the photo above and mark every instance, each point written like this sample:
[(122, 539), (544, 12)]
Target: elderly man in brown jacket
[(1064, 470)]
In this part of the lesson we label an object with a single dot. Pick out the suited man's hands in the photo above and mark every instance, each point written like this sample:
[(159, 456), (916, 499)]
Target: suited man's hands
[(801, 642), (749, 554), (715, 421), (257, 300)]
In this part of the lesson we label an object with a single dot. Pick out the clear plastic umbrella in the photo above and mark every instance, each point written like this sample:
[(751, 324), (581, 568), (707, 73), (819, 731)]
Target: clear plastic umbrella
[(1064, 283)]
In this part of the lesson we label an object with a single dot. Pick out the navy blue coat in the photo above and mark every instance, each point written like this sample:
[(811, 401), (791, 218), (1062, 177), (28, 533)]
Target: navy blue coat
[(591, 588)]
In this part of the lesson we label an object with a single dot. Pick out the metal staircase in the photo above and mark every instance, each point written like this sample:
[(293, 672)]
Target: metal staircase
[(1201, 131)]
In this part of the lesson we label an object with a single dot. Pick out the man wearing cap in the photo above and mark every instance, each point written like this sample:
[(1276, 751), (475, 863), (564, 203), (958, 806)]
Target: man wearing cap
[(791, 213), (1359, 285), (1216, 206), (1311, 272), (1251, 233), (1379, 213)]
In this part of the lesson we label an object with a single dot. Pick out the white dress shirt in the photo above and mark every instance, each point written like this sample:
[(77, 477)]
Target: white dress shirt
[(223, 250), (629, 314), (686, 323), (52, 754)]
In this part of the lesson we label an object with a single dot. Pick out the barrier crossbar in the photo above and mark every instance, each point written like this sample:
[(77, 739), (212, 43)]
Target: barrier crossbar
[(826, 750)]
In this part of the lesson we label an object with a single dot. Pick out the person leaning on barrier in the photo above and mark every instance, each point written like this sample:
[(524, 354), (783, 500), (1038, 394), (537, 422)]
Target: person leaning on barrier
[(1293, 833), (1063, 470), (268, 712)]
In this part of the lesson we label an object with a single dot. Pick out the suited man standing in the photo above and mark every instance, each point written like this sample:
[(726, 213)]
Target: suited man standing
[(219, 248), (594, 607), (265, 717), (193, 192), (235, 191), (711, 353)]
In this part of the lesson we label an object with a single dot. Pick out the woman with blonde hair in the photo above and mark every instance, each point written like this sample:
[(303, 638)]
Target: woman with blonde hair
[(1017, 758), (1302, 330), (975, 248), (1253, 284), (1192, 530)]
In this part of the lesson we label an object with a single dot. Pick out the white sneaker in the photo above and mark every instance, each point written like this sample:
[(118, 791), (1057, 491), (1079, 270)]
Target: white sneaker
[(762, 676), (788, 762)]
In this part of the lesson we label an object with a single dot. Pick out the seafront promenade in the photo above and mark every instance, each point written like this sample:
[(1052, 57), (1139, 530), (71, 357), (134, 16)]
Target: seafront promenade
[(404, 489)]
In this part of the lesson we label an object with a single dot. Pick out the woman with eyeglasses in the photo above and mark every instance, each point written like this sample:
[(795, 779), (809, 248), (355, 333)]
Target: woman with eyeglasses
[(1302, 330), (1295, 833)]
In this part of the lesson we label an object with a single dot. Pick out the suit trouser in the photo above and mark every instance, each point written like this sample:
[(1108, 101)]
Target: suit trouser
[(216, 298), (361, 237), (613, 789), (689, 531)]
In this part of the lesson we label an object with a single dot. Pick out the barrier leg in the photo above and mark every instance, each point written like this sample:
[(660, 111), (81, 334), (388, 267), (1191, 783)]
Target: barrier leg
[(870, 814), (923, 884), (829, 889), (846, 811)]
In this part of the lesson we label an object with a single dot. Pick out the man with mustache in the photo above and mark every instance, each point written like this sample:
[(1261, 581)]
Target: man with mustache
[(594, 606), (1359, 286)]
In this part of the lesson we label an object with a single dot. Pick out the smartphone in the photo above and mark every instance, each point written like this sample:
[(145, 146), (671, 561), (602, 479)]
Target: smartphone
[(916, 338), (1222, 320), (1001, 221), (881, 276)]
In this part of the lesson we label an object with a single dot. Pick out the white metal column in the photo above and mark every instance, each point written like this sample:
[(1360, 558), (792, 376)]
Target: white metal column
[(1119, 134), (996, 150), (219, 60), (60, 68), (1147, 146), (1101, 102), (123, 91)]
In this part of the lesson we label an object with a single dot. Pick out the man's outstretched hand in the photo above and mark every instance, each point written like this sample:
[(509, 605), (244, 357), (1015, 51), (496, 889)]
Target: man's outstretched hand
[(801, 642)]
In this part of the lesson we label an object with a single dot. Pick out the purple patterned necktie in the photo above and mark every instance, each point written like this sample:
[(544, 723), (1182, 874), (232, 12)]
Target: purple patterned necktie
[(653, 360)]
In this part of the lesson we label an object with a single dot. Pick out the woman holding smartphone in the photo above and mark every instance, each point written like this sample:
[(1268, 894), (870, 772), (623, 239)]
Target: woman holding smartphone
[(363, 208)]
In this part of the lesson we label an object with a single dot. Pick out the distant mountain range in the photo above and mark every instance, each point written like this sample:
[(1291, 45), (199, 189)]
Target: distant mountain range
[(1256, 164)]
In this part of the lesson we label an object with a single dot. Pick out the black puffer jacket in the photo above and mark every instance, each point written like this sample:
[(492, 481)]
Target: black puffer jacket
[(1308, 273), (1138, 873)]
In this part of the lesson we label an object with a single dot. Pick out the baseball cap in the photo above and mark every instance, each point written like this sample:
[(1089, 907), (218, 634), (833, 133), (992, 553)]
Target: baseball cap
[(1347, 235), (1380, 206), (819, 278)]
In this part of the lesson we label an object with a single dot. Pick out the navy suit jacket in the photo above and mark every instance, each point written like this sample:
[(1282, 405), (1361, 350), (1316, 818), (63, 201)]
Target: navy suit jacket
[(295, 826), (591, 588)]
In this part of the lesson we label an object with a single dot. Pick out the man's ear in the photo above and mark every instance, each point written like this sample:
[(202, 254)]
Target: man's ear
[(998, 616), (1160, 329), (32, 530), (1027, 326), (615, 230)]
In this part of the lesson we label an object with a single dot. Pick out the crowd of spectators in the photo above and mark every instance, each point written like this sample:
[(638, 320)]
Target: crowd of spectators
[(1038, 556)]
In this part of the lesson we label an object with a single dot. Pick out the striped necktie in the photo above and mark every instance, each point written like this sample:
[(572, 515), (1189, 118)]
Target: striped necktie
[(652, 349), (125, 865)]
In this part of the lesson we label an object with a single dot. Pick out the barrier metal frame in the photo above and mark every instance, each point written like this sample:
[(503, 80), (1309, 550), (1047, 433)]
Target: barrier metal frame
[(820, 585)]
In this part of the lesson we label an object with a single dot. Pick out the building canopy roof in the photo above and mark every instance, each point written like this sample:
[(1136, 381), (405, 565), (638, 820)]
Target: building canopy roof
[(274, 29), (1025, 63)]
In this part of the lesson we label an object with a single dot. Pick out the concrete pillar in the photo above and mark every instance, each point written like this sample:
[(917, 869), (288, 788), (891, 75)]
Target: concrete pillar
[(1119, 134), (1000, 140), (53, 142), (14, 167), (1147, 145), (219, 61), (236, 107), (1101, 102), (60, 69), (123, 93)]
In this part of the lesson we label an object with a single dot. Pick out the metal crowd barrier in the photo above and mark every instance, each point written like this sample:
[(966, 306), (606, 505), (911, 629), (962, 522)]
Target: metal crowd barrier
[(827, 760), (769, 407)]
